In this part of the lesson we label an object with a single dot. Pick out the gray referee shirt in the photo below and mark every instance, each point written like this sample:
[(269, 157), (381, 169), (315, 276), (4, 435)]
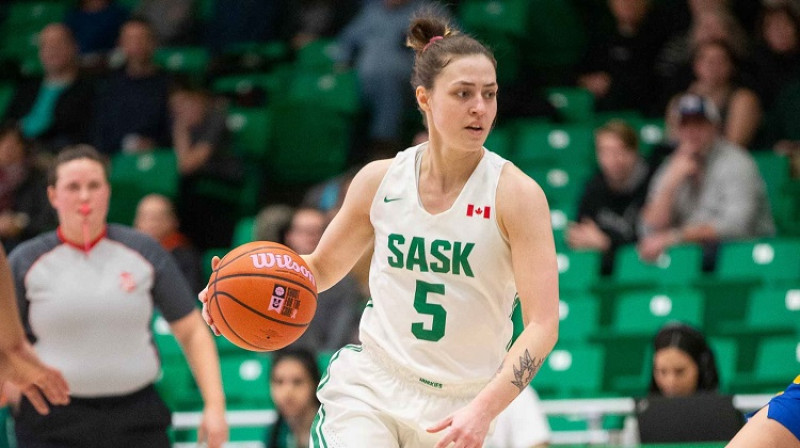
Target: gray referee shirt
[(88, 313)]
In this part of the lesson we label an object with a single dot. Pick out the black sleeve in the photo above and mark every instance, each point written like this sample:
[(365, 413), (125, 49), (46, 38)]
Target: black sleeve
[(171, 292)]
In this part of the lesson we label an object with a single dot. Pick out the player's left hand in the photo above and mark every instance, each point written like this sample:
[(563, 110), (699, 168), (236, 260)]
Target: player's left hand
[(467, 428), (213, 428)]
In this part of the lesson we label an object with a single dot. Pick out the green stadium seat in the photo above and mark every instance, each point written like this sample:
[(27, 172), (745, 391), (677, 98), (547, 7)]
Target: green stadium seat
[(244, 231), (250, 128), (578, 270), (136, 175), (560, 217), (188, 60), (771, 310), (177, 387), (241, 85), (563, 185), (543, 145), (555, 34), (777, 362), (679, 265), (500, 17), (652, 132), (773, 260), (571, 371), (309, 144), (725, 353), (165, 341), (573, 103), (578, 317), (642, 313), (245, 380), (500, 141), (776, 172), (336, 92), (19, 44), (34, 14), (318, 55)]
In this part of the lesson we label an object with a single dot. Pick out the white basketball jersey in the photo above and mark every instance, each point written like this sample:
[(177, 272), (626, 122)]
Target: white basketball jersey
[(442, 285)]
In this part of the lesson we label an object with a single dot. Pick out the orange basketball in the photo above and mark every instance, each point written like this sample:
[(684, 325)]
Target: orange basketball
[(262, 296)]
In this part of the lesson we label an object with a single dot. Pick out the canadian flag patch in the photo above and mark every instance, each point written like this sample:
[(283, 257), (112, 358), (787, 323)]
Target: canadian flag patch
[(484, 211)]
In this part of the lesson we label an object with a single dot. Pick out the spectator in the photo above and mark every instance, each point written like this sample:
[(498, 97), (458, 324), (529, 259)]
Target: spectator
[(683, 365), (777, 59), (272, 221), (199, 133), (293, 382), (155, 216), (521, 425), (309, 20), (709, 190), (618, 65), (173, 21), (717, 77), (710, 21), (382, 61), (96, 25), (53, 110), (86, 294), (608, 212), (132, 110), (342, 304), (200, 138), (24, 210)]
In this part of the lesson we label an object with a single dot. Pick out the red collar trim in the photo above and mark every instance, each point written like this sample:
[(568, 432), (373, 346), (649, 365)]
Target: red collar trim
[(78, 246)]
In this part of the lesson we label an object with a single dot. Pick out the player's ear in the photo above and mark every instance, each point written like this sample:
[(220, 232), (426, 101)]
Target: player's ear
[(422, 98)]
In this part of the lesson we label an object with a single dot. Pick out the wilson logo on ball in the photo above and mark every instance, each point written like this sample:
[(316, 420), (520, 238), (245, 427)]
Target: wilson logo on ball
[(269, 260)]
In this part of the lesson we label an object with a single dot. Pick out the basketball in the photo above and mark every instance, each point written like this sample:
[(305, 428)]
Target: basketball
[(262, 296)]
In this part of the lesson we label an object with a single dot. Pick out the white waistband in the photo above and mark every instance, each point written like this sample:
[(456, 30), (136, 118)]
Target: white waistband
[(466, 389)]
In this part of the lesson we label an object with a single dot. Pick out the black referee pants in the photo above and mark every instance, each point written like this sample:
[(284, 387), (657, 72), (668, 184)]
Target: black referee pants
[(137, 420)]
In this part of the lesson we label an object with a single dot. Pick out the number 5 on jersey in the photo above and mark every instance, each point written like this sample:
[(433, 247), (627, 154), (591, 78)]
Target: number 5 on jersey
[(435, 310)]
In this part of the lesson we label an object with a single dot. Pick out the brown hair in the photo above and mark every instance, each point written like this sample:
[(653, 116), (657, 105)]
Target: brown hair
[(621, 130), (436, 43), (71, 153)]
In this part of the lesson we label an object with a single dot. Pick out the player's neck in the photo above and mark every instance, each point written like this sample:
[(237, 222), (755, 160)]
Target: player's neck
[(446, 170)]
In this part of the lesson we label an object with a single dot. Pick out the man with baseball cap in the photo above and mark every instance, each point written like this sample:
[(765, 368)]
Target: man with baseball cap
[(708, 190)]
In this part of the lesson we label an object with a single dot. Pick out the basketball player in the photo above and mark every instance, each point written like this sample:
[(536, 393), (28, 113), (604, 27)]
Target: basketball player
[(458, 233), (776, 425), (86, 294), (19, 365)]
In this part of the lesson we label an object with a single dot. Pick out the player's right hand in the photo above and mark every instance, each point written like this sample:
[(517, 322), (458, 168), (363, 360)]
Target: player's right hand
[(203, 297)]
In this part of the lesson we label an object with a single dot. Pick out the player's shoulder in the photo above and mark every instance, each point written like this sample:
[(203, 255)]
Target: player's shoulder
[(514, 183), (369, 178)]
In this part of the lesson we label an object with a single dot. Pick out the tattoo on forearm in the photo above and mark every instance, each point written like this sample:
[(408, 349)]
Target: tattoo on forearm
[(527, 369)]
